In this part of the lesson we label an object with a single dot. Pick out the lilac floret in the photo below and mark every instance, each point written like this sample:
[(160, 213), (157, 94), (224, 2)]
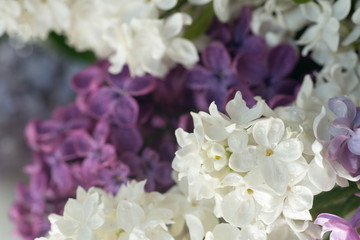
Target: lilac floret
[(345, 131)]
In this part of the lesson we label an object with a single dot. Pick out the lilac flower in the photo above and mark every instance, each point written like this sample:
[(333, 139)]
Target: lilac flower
[(211, 81), (46, 135), (149, 167), (341, 228), (116, 101), (345, 130), (242, 42), (270, 81)]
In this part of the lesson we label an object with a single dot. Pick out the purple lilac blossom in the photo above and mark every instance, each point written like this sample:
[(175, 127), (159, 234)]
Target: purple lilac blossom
[(96, 142), (340, 228), (345, 132)]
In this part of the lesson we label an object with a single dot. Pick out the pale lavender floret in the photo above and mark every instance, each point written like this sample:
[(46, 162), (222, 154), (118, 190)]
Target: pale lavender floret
[(344, 146), (340, 228)]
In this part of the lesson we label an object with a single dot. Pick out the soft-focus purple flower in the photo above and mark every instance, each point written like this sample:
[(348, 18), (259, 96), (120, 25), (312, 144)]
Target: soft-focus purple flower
[(242, 42), (345, 130), (270, 81), (116, 101), (46, 135), (149, 167), (211, 81), (340, 228)]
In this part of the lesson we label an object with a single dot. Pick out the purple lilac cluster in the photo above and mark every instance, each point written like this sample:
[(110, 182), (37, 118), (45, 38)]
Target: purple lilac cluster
[(344, 146), (340, 228), (119, 128), (236, 60), (122, 127)]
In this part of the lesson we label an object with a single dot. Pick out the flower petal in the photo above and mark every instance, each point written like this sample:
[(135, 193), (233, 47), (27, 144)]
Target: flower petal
[(268, 132), (125, 111)]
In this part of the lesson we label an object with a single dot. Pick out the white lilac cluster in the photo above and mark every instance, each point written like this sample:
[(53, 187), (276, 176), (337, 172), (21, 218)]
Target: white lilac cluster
[(132, 214), (107, 27)]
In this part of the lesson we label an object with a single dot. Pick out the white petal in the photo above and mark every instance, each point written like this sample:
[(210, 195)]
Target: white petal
[(268, 132), (129, 215), (322, 177), (289, 150), (353, 36), (166, 4), (299, 198), (275, 175), (84, 232), (356, 16), (174, 24), (237, 141), (311, 11), (199, 2), (216, 133), (239, 112), (225, 231), (183, 51), (341, 9), (244, 161), (222, 10), (297, 215), (195, 227), (238, 209)]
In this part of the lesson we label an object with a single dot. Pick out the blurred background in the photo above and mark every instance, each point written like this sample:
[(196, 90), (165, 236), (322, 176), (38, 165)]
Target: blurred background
[(34, 79)]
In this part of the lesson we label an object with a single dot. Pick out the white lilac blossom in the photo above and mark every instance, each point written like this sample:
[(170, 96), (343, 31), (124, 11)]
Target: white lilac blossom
[(10, 11), (151, 45), (326, 16), (252, 167), (132, 214)]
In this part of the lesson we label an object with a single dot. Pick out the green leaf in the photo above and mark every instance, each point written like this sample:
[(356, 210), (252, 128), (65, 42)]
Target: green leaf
[(301, 1), (201, 23)]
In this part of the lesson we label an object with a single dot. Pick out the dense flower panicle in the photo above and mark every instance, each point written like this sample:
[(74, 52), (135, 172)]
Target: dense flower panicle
[(254, 168), (131, 214), (102, 140)]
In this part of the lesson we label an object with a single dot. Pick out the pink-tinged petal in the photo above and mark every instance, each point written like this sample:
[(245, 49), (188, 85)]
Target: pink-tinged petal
[(108, 154), (101, 103), (66, 113), (101, 132), (215, 57), (198, 78), (126, 111), (83, 123), (87, 80), (342, 107), (250, 69), (254, 45), (335, 146), (282, 60), (139, 86), (126, 139)]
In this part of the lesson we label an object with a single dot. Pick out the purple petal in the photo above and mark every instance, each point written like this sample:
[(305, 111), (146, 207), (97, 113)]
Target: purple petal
[(118, 80), (198, 78), (87, 80), (126, 139), (101, 102), (354, 143), (139, 86), (126, 111), (282, 60), (337, 143), (254, 45), (250, 69), (242, 27), (219, 32), (101, 132), (342, 107), (132, 160), (281, 100), (215, 57)]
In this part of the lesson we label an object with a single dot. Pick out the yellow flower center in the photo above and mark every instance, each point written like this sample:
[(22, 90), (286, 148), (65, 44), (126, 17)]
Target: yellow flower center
[(269, 152)]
